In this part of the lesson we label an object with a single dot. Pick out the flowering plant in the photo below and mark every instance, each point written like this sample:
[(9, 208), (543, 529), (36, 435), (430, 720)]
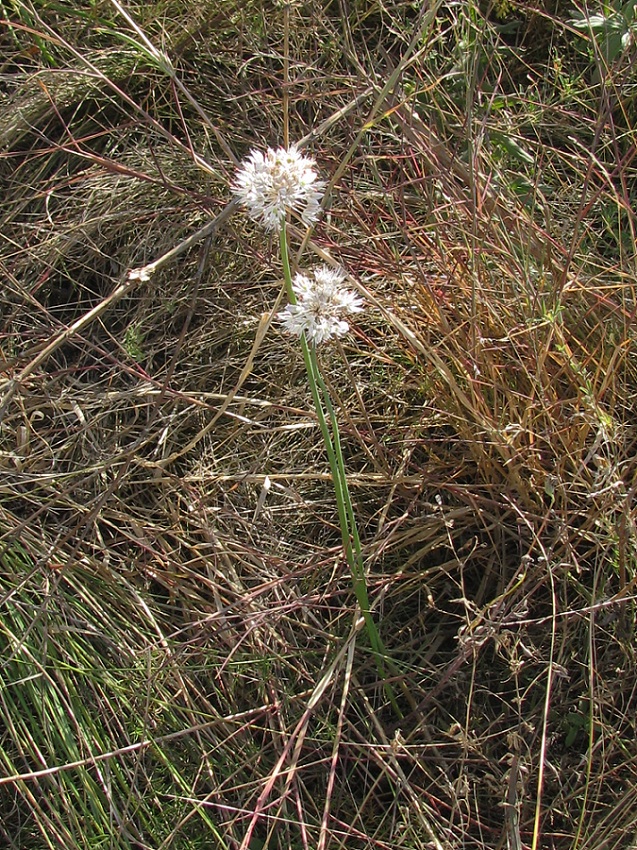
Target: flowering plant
[(270, 186)]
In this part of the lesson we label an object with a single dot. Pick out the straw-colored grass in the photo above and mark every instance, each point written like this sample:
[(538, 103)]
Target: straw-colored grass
[(183, 663)]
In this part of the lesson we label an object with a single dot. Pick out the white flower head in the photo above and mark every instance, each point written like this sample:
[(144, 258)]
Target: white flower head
[(322, 302), (280, 181)]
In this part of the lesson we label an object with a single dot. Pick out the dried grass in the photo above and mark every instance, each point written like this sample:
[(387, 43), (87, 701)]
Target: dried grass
[(183, 662)]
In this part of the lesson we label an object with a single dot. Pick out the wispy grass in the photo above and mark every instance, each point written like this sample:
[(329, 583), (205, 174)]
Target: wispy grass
[(179, 664)]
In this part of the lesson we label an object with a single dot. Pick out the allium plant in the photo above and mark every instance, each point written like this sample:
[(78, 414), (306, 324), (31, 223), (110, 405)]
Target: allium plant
[(270, 186)]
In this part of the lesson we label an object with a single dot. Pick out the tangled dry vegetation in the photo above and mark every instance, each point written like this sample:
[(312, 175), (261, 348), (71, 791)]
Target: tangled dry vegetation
[(183, 665)]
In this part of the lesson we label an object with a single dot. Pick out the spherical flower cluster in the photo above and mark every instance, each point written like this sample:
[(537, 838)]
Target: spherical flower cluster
[(322, 302), (280, 181)]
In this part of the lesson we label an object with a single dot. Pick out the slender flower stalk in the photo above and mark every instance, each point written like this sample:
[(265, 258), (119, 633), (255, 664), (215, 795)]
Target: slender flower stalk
[(332, 442)]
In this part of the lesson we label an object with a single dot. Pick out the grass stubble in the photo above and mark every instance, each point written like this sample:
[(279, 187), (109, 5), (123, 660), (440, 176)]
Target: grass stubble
[(181, 667)]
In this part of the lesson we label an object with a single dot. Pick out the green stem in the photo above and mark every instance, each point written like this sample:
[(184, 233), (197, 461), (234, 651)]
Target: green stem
[(353, 543), (347, 519)]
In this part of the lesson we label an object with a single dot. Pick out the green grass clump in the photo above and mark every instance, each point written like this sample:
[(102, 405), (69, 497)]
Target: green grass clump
[(181, 662)]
